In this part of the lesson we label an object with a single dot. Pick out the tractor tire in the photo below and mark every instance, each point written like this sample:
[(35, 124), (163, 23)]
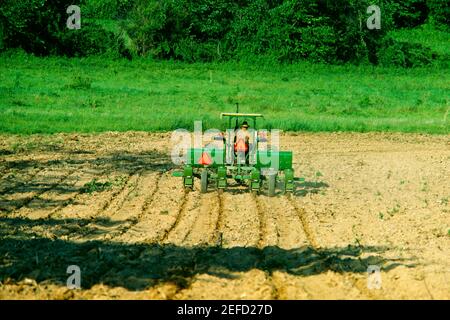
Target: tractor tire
[(204, 181), (272, 181)]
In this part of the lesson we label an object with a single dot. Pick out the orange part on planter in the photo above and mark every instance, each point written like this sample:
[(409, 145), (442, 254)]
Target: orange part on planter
[(205, 159)]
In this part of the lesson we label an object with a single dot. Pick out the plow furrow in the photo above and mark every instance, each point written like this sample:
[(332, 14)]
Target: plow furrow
[(301, 214), (17, 179), (136, 204), (216, 237), (122, 195), (159, 214), (204, 225), (23, 199), (100, 204), (183, 226), (269, 233), (179, 217), (240, 227)]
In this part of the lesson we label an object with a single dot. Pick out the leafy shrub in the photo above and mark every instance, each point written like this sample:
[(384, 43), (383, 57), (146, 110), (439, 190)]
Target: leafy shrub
[(408, 13), (404, 54), (40, 27), (33, 25), (290, 30), (91, 39), (328, 31), (80, 82), (439, 13), (106, 9)]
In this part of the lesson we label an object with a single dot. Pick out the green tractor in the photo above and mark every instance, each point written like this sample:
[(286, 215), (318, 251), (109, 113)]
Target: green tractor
[(242, 154)]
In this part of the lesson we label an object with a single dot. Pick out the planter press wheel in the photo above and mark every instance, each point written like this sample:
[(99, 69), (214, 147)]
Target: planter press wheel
[(272, 180), (204, 181)]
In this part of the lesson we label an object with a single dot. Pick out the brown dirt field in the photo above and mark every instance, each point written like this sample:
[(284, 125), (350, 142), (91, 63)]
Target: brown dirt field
[(368, 199)]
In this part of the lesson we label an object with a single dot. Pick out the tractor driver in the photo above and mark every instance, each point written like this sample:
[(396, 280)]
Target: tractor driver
[(242, 139)]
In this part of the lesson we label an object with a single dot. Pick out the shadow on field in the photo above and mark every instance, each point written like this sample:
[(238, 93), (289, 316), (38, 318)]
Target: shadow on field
[(26, 254), (5, 152), (310, 187), (23, 181), (112, 162)]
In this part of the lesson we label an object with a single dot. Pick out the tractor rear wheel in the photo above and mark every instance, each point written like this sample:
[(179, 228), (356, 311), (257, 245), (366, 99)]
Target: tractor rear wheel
[(204, 181), (272, 180)]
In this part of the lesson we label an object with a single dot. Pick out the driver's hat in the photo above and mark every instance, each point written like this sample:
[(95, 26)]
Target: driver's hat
[(245, 124)]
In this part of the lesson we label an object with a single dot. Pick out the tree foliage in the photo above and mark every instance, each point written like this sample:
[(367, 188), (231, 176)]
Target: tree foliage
[(329, 31)]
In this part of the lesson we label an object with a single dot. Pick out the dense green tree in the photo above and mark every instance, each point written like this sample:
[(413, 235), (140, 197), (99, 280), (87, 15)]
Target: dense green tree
[(330, 31)]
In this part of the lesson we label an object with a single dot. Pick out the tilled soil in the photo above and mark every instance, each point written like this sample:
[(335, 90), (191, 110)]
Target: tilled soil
[(108, 203)]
